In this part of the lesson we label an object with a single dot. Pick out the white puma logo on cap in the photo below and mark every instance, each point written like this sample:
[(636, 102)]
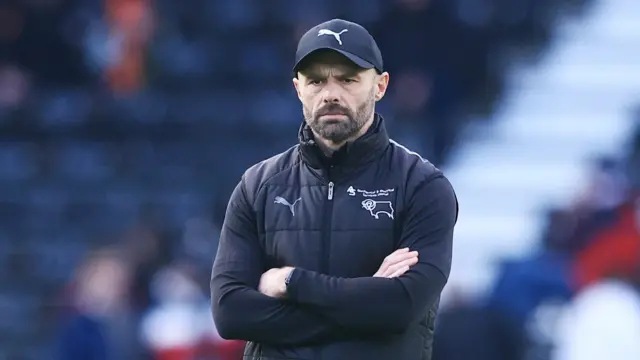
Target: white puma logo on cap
[(332, 33)]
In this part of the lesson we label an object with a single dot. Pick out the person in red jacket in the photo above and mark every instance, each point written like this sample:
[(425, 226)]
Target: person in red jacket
[(614, 250)]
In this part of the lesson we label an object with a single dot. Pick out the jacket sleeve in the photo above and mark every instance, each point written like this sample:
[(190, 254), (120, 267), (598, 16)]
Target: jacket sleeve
[(240, 311), (391, 305)]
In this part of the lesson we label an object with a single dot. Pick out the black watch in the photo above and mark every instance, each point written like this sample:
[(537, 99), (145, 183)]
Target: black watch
[(287, 280)]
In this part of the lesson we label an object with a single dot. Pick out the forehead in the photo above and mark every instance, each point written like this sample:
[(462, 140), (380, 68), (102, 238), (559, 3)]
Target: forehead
[(325, 61)]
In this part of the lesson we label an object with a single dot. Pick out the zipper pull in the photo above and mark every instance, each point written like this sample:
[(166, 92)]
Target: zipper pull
[(330, 193)]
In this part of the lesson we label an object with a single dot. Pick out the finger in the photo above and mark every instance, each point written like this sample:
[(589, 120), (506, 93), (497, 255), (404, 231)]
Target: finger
[(397, 252), (407, 262), (410, 261), (391, 259), (401, 254), (381, 270), (397, 258), (399, 272)]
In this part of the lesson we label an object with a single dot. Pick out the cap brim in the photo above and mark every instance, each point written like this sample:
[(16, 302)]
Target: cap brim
[(353, 58)]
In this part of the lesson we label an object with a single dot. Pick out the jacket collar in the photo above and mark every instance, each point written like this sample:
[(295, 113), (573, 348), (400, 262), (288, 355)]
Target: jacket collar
[(363, 150)]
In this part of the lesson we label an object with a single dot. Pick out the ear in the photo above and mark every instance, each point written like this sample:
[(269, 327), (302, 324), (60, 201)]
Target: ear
[(296, 85), (382, 82)]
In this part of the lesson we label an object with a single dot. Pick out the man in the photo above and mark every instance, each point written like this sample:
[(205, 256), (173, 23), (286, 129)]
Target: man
[(339, 247)]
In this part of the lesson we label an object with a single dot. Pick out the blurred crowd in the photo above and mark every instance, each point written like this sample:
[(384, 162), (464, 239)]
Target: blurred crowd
[(125, 125), (577, 297)]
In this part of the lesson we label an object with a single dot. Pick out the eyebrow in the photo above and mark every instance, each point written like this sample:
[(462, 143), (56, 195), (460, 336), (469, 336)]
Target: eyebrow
[(319, 74)]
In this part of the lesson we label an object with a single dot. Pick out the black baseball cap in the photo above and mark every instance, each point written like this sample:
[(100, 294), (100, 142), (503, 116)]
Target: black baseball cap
[(345, 37)]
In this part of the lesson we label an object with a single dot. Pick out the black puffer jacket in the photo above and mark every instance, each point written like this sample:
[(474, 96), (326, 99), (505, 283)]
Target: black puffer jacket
[(335, 220)]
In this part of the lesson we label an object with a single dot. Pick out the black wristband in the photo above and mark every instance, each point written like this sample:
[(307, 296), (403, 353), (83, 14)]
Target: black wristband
[(287, 280)]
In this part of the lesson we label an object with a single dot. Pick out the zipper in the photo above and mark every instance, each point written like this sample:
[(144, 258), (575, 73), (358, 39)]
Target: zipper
[(327, 219), (326, 229)]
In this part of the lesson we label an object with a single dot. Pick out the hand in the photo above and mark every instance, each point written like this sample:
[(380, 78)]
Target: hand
[(397, 263), (272, 282)]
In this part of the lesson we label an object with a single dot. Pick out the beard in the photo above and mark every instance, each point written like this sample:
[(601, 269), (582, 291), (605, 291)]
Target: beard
[(339, 131)]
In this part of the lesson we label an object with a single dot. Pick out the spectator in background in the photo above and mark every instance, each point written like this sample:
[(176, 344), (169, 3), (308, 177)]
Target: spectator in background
[(14, 86), (526, 287), (606, 188), (607, 228), (179, 326), (524, 284), (172, 327), (431, 85), (633, 161), (463, 321), (146, 253), (612, 250), (603, 322), (99, 327), (130, 22)]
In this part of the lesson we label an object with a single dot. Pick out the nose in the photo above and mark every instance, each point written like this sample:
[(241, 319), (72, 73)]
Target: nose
[(331, 93)]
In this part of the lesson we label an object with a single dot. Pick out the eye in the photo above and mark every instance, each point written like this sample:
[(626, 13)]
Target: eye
[(349, 81), (315, 82)]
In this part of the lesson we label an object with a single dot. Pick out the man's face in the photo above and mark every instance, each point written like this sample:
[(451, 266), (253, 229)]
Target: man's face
[(338, 98)]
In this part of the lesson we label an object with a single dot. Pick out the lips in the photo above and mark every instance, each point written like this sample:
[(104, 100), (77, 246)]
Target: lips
[(332, 111)]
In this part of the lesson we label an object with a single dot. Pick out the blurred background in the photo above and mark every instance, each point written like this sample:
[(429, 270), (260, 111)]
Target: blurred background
[(125, 124)]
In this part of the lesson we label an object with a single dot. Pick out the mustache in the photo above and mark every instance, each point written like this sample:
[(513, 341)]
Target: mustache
[(333, 109)]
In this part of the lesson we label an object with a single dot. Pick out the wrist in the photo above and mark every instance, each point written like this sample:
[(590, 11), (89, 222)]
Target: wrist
[(288, 273)]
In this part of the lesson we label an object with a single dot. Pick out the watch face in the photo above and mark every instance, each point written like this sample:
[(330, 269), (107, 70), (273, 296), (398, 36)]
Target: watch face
[(287, 280)]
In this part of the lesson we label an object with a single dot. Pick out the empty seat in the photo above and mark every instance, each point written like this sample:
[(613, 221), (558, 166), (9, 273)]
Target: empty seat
[(44, 205), (54, 261), (233, 14), (184, 205), (17, 313), (79, 212), (6, 241), (65, 108), (274, 108), (142, 108), (17, 161), (11, 215), (86, 161)]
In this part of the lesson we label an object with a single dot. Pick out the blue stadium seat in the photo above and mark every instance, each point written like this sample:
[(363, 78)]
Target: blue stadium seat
[(17, 161), (229, 15), (17, 313), (143, 107), (182, 205), (274, 108), (48, 196), (182, 60), (86, 161), (64, 108), (54, 261)]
